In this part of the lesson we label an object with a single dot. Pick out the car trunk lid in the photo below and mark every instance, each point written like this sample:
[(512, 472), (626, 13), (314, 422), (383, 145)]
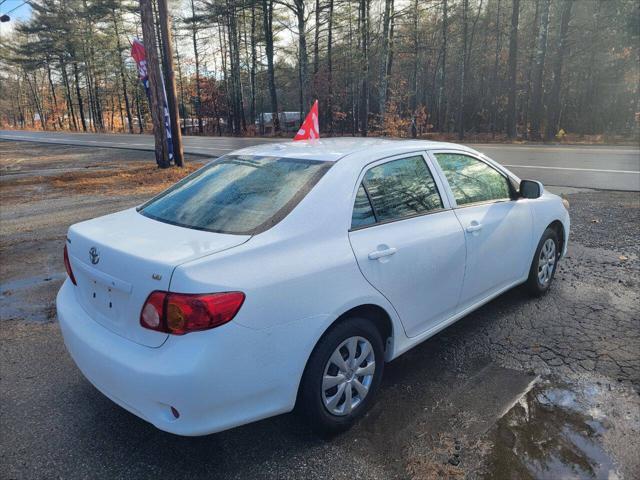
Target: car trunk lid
[(119, 259)]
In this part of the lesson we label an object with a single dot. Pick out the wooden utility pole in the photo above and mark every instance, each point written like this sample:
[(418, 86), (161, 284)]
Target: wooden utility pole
[(172, 97), (155, 83)]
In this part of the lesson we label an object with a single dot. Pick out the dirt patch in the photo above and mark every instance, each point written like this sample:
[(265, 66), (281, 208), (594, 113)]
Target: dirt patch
[(30, 172), (46, 188), (139, 180)]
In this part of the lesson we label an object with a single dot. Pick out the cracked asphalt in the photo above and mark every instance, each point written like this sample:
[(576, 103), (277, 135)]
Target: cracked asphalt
[(554, 379)]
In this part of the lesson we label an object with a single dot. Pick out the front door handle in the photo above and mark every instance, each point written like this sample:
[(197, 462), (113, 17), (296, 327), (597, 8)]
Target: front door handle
[(382, 253), (474, 227)]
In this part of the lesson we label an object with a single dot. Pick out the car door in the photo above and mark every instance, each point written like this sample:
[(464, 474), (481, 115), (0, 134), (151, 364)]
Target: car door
[(407, 240), (497, 225)]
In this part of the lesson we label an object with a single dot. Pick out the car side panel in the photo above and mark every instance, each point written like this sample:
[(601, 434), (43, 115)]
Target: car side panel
[(497, 254), (546, 210)]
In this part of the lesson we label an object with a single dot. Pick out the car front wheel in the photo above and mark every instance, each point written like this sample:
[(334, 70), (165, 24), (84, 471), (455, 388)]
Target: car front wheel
[(342, 376), (544, 264)]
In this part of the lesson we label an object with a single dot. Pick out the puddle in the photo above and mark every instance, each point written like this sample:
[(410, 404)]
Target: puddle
[(7, 288), (31, 299), (569, 430)]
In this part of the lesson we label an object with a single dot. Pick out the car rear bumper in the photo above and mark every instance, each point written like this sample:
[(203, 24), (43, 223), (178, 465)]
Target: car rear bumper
[(216, 379)]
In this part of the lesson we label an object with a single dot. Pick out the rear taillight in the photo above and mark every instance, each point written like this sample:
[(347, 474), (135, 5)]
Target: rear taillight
[(67, 266), (180, 313)]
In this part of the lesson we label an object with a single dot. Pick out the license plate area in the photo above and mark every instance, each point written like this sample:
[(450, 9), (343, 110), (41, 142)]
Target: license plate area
[(106, 301)]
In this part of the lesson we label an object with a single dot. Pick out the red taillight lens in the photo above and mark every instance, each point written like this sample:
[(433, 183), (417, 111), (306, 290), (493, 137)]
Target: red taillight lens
[(180, 313), (67, 266)]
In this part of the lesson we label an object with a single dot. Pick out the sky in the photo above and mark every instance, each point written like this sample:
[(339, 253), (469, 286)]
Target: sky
[(22, 12)]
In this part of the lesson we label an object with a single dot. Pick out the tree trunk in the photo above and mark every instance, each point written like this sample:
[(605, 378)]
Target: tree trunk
[(223, 57), (463, 69), (529, 72), (416, 57), (36, 100), (253, 68), (494, 76), (538, 72), (67, 91), (553, 112), (139, 112), (303, 61), (239, 122), (53, 96), (155, 84), (442, 95), (329, 109), (194, 34), (92, 106), (180, 77), (364, 45), (267, 10), (513, 67), (316, 49), (123, 78), (384, 62), (76, 77), (170, 83)]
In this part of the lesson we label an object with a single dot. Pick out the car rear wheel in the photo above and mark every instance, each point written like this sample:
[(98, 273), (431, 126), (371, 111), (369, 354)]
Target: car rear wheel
[(544, 264), (342, 376)]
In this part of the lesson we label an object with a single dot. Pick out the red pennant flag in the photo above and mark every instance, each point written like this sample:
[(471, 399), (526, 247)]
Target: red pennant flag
[(309, 130)]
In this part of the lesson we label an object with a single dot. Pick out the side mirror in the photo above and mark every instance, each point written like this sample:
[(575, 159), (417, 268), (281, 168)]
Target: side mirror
[(531, 189)]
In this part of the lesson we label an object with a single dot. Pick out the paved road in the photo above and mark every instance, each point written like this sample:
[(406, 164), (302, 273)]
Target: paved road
[(603, 167)]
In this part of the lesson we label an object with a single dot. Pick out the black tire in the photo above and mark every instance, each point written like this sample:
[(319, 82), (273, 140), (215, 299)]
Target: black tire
[(534, 285), (310, 400)]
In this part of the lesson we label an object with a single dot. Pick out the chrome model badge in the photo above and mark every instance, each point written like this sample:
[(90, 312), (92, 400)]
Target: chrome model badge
[(94, 255)]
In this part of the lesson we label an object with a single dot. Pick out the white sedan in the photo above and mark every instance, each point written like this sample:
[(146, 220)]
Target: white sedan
[(286, 275)]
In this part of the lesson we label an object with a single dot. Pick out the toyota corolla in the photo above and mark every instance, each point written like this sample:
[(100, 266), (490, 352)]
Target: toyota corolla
[(284, 276)]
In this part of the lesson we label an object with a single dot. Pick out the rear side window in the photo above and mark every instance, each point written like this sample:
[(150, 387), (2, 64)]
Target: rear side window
[(237, 194), (471, 180), (362, 211), (396, 189)]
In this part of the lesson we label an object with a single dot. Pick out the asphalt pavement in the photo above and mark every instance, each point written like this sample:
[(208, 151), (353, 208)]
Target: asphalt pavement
[(601, 167), (522, 388)]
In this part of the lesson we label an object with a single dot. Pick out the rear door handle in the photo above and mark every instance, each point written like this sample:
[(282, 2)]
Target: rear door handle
[(474, 227), (381, 253)]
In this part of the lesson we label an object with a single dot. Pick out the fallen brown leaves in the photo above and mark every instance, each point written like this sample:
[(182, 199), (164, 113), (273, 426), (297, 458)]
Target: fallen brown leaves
[(139, 180), (144, 179)]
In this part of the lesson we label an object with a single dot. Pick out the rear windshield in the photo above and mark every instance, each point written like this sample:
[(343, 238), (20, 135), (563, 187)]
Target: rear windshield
[(237, 194)]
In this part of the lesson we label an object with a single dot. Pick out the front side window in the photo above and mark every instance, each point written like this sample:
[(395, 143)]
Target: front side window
[(471, 180), (397, 189), (239, 194)]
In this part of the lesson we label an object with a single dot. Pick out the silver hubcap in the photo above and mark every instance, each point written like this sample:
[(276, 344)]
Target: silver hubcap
[(546, 261), (348, 376)]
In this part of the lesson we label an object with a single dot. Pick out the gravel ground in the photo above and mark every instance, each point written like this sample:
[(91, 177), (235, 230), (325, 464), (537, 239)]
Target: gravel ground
[(554, 379)]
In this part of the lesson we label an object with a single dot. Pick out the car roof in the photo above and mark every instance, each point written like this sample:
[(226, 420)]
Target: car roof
[(334, 149)]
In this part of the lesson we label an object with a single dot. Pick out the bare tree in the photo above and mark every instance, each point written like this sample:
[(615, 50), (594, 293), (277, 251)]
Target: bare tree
[(538, 72), (463, 68), (387, 20), (267, 13), (513, 68), (364, 8), (553, 112)]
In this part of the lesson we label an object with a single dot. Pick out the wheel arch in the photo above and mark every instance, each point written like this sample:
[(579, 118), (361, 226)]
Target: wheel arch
[(373, 312), (558, 226), (377, 314)]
